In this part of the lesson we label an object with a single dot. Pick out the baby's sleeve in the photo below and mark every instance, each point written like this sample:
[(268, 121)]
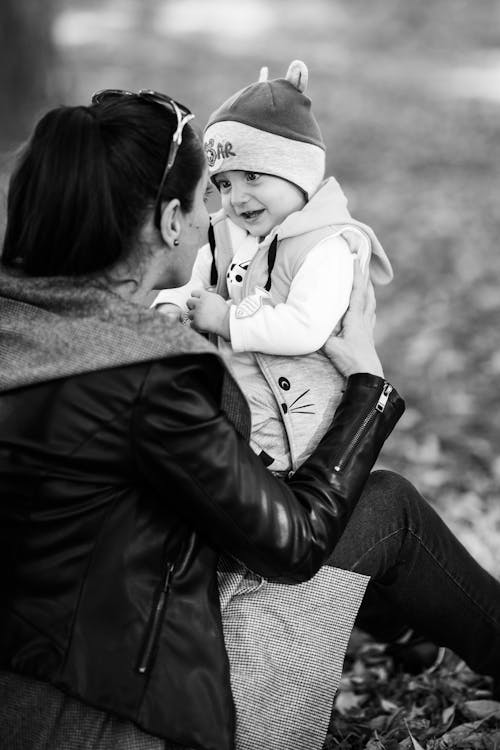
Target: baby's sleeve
[(318, 298)]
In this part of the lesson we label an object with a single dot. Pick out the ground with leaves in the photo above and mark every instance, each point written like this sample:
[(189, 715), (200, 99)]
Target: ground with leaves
[(413, 132), (377, 709)]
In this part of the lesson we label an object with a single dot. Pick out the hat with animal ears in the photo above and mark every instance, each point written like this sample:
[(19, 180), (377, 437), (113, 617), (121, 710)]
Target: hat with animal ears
[(268, 127)]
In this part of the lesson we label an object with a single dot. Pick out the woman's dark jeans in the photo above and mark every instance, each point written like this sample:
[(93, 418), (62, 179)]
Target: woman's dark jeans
[(422, 577)]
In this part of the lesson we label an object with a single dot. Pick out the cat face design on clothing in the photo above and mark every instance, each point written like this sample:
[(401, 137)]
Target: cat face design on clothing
[(236, 273), (257, 202), (292, 402)]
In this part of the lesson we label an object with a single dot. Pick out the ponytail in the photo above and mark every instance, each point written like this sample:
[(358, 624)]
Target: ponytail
[(58, 199)]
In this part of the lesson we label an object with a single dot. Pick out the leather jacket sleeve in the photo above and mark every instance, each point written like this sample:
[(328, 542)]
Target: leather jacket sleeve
[(188, 450)]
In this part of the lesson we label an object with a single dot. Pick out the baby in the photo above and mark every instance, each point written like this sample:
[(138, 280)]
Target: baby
[(281, 262)]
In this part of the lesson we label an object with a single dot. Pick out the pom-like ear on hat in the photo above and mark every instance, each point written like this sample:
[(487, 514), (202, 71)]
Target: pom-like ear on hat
[(264, 74), (298, 75)]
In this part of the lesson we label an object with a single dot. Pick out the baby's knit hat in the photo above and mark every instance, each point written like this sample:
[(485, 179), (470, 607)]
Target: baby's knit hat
[(268, 127)]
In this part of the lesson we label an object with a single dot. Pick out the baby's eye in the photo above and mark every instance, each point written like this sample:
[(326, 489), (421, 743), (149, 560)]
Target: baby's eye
[(252, 176), (224, 185)]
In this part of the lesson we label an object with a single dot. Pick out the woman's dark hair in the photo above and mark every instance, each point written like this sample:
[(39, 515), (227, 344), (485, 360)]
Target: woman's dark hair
[(85, 181)]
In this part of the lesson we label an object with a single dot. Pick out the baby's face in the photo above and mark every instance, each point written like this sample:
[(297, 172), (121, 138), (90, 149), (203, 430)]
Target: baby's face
[(257, 202)]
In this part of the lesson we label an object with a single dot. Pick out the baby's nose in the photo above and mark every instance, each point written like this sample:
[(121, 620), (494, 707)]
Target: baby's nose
[(239, 195)]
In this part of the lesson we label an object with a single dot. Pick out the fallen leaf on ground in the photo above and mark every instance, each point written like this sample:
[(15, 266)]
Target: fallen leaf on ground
[(481, 709), (347, 701)]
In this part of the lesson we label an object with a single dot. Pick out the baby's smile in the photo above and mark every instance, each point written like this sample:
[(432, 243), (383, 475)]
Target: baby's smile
[(249, 215)]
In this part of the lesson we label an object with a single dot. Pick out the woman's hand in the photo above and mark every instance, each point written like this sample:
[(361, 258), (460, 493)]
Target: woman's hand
[(171, 311), (353, 349)]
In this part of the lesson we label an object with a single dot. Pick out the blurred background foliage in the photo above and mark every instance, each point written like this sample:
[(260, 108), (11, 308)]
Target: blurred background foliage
[(408, 97)]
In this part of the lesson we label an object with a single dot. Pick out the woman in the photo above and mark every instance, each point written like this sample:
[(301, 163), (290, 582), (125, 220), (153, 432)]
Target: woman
[(124, 469)]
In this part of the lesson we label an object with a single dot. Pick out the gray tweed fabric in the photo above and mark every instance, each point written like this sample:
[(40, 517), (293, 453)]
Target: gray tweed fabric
[(56, 327), (37, 716), (286, 647)]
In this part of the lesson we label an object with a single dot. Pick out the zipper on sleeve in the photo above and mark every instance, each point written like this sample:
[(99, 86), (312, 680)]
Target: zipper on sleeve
[(377, 407), (155, 619), (384, 396)]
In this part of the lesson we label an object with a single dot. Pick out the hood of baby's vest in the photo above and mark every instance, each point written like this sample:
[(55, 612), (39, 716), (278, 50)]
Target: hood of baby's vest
[(327, 206)]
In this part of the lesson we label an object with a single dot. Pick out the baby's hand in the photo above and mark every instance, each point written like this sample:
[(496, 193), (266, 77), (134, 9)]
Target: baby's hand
[(209, 312)]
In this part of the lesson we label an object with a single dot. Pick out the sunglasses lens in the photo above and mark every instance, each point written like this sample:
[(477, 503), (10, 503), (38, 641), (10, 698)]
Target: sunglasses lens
[(164, 99), (107, 94)]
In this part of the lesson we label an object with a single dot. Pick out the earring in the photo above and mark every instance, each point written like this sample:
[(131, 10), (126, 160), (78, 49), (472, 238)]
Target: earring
[(176, 242)]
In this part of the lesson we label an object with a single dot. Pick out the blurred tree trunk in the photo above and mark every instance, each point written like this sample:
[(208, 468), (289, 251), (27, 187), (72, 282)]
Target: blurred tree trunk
[(27, 62)]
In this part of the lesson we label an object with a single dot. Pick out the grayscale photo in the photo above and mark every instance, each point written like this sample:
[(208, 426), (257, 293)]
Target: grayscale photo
[(249, 353)]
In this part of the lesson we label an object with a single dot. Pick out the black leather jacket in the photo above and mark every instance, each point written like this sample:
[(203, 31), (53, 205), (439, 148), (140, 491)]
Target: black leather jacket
[(118, 488)]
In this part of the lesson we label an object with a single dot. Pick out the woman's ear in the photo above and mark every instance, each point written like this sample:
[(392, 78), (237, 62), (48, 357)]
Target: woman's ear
[(170, 224)]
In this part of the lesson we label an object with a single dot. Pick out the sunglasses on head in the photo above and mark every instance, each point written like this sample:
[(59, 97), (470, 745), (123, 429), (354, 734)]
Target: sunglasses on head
[(183, 115)]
